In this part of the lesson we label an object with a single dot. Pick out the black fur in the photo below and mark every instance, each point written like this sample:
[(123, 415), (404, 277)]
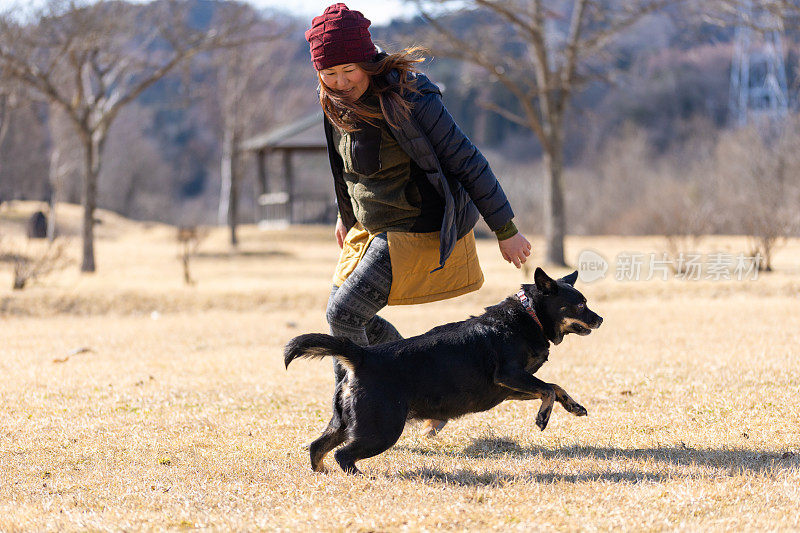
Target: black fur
[(451, 370)]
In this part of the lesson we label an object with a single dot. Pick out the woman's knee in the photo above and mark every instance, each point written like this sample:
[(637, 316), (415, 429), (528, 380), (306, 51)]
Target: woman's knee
[(330, 307), (332, 312), (343, 322), (338, 314)]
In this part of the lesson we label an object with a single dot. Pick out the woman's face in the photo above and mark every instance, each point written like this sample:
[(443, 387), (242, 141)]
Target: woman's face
[(348, 78)]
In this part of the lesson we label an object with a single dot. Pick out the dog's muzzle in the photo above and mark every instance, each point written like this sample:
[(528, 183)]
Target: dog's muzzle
[(582, 328)]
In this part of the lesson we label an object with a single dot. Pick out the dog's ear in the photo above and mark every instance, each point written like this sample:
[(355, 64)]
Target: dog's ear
[(570, 279), (544, 283)]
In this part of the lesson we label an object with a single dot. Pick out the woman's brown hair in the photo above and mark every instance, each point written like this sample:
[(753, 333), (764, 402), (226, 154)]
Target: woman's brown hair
[(394, 107)]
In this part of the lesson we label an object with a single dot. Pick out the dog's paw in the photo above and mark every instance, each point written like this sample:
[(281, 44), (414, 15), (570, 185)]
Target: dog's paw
[(320, 468), (543, 418), (577, 409)]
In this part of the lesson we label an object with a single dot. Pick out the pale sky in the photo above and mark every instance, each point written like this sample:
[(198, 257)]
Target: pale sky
[(378, 11)]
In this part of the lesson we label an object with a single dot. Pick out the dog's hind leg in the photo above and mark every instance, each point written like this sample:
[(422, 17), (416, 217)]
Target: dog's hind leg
[(373, 432), (333, 436), (358, 449), (347, 456), (336, 432)]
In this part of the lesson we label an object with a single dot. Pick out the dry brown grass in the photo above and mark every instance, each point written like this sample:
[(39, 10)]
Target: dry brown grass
[(181, 415)]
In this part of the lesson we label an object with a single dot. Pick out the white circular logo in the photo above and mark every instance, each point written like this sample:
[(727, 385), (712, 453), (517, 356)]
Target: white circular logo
[(591, 266)]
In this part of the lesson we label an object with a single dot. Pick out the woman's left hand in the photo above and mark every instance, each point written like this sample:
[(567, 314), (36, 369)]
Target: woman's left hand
[(515, 249)]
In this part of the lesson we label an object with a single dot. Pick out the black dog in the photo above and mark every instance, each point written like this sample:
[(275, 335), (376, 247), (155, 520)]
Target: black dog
[(455, 369)]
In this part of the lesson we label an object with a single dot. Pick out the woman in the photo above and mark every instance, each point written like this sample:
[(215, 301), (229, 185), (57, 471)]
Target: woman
[(409, 184)]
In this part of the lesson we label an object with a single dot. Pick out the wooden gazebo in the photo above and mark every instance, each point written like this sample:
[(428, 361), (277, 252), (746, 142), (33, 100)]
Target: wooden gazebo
[(277, 198)]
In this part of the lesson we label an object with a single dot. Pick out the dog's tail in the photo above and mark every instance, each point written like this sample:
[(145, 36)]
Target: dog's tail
[(318, 345)]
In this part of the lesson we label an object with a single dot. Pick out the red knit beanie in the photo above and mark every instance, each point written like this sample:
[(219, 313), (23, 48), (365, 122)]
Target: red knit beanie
[(339, 36)]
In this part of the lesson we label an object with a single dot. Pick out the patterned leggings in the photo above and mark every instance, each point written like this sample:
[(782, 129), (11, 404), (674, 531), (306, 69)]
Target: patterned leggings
[(352, 308)]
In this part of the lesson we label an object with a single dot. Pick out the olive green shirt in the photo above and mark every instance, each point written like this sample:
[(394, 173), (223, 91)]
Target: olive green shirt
[(387, 199)]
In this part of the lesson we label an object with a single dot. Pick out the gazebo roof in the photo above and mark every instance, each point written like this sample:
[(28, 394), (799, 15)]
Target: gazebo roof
[(306, 133)]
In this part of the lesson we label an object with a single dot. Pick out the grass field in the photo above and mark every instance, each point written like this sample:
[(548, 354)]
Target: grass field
[(133, 402)]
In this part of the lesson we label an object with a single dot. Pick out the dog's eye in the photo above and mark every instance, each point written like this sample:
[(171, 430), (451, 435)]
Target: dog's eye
[(580, 306)]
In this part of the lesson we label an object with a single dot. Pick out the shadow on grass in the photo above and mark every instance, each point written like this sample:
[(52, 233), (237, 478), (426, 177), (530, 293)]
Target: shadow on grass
[(724, 461), (469, 478)]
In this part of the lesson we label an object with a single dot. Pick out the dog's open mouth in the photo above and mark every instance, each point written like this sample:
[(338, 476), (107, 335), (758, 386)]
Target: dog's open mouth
[(580, 329)]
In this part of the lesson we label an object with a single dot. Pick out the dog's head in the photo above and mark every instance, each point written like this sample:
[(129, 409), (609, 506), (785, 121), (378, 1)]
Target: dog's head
[(563, 306)]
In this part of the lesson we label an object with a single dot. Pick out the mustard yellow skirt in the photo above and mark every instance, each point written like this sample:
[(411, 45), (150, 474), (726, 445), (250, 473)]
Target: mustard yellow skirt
[(414, 258)]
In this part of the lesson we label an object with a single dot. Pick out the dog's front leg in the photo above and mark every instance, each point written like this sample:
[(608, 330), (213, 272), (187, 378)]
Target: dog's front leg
[(532, 387), (566, 400)]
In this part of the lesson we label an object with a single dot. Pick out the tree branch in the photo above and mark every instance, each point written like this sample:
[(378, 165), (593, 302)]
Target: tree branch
[(462, 49), (614, 28), (505, 113)]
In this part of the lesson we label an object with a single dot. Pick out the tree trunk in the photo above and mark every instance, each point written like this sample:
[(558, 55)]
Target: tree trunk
[(92, 146), (55, 187), (224, 191), (229, 190), (4, 115), (554, 216), (233, 212)]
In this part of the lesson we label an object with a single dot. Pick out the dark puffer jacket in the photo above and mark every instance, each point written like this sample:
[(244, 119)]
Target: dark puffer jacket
[(453, 165)]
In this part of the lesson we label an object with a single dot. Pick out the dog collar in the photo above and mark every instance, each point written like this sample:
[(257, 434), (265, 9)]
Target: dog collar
[(526, 303)]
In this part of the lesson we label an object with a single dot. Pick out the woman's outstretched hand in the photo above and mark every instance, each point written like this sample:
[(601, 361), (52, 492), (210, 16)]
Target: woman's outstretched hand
[(340, 232), (515, 249)]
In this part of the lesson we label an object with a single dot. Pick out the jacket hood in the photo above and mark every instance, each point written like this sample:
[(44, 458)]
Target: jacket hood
[(423, 84)]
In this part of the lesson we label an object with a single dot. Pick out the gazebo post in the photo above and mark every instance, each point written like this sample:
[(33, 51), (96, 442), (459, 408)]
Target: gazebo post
[(288, 173), (261, 183)]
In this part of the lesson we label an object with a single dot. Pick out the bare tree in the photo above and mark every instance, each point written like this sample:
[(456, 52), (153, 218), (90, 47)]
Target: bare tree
[(237, 70), (7, 101), (65, 164), (43, 262), (542, 52), (135, 180), (4, 113), (761, 161), (760, 185), (257, 88), (23, 161), (189, 239), (93, 59)]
